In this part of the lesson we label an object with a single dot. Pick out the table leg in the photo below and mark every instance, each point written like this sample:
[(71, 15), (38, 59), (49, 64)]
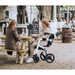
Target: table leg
[(24, 44), (21, 59), (29, 48), (6, 26), (29, 42)]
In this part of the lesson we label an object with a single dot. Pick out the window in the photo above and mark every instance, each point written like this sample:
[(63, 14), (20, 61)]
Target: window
[(7, 14)]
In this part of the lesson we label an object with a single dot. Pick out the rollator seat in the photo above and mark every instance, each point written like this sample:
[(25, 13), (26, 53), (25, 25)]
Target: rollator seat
[(39, 48), (51, 37)]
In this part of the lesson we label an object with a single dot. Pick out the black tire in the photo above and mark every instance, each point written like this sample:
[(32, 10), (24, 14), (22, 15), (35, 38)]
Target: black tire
[(42, 56), (50, 58), (33, 57), (36, 58)]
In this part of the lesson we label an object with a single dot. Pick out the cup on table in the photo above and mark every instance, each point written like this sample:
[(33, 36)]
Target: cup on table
[(21, 35)]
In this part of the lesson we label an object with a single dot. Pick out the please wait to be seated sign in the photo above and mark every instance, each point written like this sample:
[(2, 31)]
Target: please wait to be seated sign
[(35, 27)]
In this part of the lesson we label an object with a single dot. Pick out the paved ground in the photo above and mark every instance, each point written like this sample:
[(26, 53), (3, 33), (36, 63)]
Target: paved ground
[(64, 58)]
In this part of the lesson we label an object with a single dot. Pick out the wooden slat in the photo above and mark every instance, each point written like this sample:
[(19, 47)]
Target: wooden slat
[(5, 50), (2, 45), (25, 50), (14, 50), (23, 38)]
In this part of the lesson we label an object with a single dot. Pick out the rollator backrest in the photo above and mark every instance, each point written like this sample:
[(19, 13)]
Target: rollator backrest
[(51, 37)]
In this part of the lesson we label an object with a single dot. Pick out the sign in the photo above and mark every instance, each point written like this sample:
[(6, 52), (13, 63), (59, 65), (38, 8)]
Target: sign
[(35, 27)]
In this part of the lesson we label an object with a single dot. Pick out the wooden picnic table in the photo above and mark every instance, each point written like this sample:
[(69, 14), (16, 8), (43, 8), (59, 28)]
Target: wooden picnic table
[(24, 38), (58, 29), (24, 50)]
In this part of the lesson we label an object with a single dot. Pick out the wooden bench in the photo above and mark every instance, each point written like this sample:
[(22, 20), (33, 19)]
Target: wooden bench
[(25, 47), (22, 53), (2, 45)]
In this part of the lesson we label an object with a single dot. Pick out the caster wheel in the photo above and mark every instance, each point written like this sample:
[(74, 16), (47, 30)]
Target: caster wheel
[(50, 58), (36, 58), (42, 56)]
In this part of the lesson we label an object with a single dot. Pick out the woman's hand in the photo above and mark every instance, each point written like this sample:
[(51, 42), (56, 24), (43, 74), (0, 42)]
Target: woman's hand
[(35, 41), (32, 36)]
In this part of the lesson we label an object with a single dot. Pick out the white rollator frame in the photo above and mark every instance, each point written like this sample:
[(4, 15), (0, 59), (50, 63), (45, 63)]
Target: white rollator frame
[(44, 55)]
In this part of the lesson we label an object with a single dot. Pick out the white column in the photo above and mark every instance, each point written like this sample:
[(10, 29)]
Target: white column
[(67, 14), (30, 14), (26, 30), (54, 18), (54, 13)]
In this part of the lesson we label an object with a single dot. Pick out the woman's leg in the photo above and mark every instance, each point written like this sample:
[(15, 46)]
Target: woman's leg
[(32, 49), (31, 52), (29, 48)]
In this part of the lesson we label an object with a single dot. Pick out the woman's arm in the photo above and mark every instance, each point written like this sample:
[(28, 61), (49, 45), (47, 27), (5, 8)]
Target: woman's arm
[(38, 35), (18, 38)]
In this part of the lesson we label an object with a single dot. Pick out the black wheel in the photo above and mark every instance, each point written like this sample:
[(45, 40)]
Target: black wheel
[(36, 58), (42, 56), (50, 58), (33, 57)]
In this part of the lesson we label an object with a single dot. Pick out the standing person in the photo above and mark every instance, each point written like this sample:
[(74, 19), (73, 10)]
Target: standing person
[(45, 25), (64, 21), (11, 41), (72, 22), (60, 23)]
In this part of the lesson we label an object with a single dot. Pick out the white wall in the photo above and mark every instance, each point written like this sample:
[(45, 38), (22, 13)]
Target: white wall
[(33, 13), (13, 12)]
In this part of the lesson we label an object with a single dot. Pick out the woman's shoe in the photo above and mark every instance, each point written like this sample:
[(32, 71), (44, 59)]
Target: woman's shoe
[(29, 60)]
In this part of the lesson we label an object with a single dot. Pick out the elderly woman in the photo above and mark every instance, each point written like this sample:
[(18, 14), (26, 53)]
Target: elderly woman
[(45, 25), (11, 41)]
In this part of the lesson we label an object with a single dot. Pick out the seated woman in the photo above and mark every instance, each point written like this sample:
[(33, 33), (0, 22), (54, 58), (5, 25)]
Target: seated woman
[(45, 25), (11, 41)]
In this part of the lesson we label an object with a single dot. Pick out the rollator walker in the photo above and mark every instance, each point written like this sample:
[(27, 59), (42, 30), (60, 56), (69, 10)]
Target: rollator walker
[(48, 57)]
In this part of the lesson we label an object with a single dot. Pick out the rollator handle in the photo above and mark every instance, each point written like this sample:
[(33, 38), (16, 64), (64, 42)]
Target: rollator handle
[(46, 33)]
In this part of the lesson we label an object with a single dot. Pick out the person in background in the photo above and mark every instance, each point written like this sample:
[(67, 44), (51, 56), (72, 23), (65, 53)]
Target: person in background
[(64, 22), (60, 20), (45, 25), (60, 23), (70, 19), (68, 23), (74, 22), (11, 41), (73, 18), (57, 19), (52, 21)]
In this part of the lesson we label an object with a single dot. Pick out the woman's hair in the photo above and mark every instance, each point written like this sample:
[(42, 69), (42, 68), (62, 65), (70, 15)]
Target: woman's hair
[(46, 22), (11, 24)]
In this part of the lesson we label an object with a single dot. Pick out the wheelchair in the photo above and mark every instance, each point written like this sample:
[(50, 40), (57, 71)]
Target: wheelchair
[(45, 56)]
